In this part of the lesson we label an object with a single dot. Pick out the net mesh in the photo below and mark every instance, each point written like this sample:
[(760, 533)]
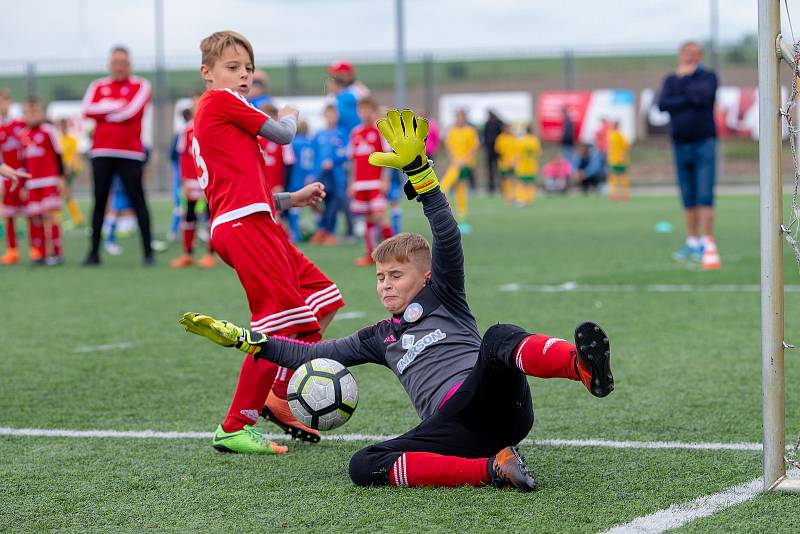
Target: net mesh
[(791, 231)]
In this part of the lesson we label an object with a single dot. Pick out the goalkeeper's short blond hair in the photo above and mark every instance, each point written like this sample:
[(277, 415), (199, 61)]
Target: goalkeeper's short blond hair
[(212, 46), (405, 247)]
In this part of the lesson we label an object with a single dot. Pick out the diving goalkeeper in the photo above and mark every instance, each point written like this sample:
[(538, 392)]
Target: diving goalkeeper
[(470, 392)]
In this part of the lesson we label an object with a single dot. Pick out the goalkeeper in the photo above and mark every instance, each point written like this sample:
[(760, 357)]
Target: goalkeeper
[(470, 392)]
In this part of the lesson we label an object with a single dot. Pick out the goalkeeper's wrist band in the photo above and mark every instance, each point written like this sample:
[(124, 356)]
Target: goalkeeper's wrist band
[(421, 182), (283, 201), (250, 342)]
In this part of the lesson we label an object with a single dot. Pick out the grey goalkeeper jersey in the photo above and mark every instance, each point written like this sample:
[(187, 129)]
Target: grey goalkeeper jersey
[(432, 347)]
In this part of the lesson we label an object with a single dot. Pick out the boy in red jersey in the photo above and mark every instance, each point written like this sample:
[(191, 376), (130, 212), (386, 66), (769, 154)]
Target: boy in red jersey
[(286, 293), (41, 154), (193, 193), (369, 183), (13, 191)]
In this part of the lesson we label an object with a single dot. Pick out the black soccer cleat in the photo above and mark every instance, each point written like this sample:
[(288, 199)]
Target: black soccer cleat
[(594, 359), (507, 469)]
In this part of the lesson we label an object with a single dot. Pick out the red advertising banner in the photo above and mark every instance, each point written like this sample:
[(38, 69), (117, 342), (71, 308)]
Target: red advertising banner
[(551, 118)]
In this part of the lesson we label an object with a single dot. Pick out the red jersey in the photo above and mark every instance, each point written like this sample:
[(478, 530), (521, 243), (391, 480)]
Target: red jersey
[(185, 159), (10, 132), (273, 163), (364, 140), (230, 165), (117, 106), (41, 152)]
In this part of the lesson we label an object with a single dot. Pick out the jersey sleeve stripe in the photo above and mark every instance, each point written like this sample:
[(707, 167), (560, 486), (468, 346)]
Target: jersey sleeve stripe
[(137, 103), (88, 103), (244, 101), (51, 132)]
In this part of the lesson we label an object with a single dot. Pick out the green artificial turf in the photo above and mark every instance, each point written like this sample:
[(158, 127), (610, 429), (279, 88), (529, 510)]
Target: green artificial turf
[(687, 368)]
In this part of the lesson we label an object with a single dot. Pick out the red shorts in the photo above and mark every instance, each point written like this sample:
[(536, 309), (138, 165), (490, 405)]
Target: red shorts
[(287, 293), (367, 201), (43, 200), (13, 200)]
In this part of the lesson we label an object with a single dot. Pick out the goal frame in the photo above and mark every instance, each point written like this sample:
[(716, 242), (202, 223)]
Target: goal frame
[(772, 49)]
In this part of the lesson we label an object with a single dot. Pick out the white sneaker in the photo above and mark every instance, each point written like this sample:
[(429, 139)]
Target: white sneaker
[(112, 248)]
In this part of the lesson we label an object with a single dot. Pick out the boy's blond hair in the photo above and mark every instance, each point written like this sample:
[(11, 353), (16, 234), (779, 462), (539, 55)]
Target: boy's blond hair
[(212, 46), (405, 247)]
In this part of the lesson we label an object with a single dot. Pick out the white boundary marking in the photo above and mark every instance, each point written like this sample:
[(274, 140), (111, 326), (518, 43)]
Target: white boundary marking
[(681, 514), (106, 347), (657, 522), (344, 316), (154, 434), (575, 287)]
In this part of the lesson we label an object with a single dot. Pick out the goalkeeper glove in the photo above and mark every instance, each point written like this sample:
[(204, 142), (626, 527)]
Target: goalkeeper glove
[(223, 333), (406, 135)]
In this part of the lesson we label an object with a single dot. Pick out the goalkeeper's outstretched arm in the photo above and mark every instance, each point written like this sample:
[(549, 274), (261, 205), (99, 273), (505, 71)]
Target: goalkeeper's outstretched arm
[(354, 349), (406, 134)]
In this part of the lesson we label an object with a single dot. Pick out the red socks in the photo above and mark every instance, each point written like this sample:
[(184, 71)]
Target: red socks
[(188, 238), (255, 381), (416, 469), (546, 357), (36, 236), (386, 232), (283, 375), (55, 238), (11, 233), (369, 238)]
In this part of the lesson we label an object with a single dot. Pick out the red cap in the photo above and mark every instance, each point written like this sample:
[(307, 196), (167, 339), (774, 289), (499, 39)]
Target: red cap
[(341, 67)]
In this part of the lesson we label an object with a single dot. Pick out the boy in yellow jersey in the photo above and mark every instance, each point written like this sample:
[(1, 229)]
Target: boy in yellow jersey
[(619, 183), (529, 150), (462, 146), (72, 167), (506, 147)]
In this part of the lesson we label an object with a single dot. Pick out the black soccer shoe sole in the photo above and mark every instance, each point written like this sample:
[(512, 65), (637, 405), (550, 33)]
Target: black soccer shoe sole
[(594, 348), (296, 433)]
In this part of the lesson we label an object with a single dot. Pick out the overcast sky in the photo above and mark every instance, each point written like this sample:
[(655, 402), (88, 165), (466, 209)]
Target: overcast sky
[(73, 29)]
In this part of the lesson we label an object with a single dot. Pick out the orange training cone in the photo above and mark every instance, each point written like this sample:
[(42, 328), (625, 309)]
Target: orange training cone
[(711, 261)]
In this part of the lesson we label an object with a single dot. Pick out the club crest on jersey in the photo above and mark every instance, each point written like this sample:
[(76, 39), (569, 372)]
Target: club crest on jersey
[(413, 312), (417, 348)]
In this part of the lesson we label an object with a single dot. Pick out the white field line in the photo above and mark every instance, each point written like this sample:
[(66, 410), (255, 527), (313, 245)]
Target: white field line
[(106, 347), (601, 443), (344, 316), (575, 287), (680, 514)]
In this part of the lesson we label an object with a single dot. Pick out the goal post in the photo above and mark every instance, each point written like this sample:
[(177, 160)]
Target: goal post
[(771, 49)]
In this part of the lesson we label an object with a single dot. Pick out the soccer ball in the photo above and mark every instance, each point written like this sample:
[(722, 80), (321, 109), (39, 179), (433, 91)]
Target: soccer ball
[(322, 394)]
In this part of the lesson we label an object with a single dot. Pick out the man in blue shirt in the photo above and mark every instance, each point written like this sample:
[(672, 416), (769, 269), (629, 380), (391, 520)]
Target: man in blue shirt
[(688, 96)]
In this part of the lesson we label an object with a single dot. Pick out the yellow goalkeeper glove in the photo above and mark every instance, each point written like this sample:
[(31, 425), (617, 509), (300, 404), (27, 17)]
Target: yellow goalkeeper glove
[(406, 135), (223, 333)]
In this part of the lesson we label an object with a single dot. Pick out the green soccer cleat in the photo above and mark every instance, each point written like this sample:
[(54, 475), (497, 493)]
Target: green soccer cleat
[(245, 441)]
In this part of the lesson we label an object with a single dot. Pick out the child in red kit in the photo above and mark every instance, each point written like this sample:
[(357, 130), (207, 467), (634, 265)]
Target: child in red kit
[(286, 293), (41, 154), (369, 183)]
